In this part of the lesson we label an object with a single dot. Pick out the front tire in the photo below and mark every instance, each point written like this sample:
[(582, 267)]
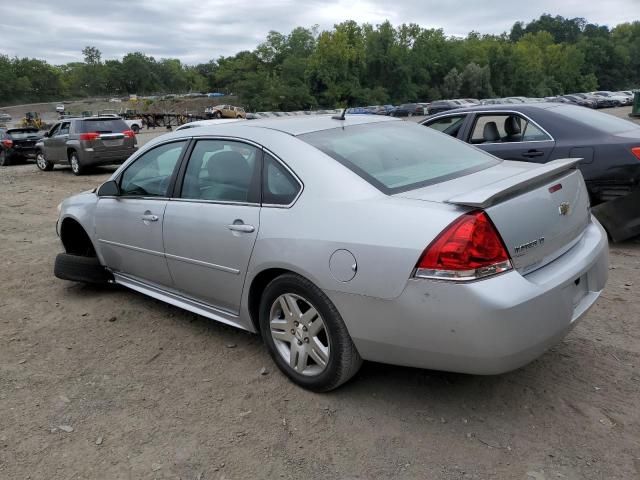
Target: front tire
[(306, 335), (42, 163), (76, 167), (135, 129), (77, 268)]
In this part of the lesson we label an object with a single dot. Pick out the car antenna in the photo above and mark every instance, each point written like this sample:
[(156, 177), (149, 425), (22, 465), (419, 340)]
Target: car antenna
[(340, 116)]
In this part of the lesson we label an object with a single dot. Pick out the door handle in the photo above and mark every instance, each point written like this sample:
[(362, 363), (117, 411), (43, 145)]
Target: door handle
[(241, 227), (533, 153), (150, 218)]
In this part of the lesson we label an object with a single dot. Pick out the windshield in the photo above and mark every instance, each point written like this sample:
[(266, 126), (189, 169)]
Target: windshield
[(399, 156), (102, 125), (592, 119), (20, 133)]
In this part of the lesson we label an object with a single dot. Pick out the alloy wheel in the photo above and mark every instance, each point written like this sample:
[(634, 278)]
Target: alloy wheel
[(41, 161), (75, 165), (299, 334)]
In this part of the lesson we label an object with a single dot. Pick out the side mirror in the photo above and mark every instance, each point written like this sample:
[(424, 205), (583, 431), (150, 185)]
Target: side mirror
[(109, 189), (46, 134)]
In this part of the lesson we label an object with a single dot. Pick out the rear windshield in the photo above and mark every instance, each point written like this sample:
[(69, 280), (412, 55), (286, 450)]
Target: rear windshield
[(592, 119), (399, 156), (20, 133), (102, 125)]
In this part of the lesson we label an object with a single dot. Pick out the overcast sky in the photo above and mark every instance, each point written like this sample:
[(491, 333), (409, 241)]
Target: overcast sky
[(198, 31)]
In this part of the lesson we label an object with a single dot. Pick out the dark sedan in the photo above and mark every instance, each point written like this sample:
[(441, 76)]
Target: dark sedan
[(17, 144), (406, 110), (582, 102), (608, 146), (443, 105)]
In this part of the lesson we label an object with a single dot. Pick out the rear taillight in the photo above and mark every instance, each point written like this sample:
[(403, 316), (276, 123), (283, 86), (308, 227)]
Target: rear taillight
[(636, 152), (89, 136), (468, 249), (8, 143), (129, 133)]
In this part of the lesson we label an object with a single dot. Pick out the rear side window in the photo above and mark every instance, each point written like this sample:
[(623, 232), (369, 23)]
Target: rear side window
[(223, 171), (505, 128), (101, 125), (399, 156), (278, 185)]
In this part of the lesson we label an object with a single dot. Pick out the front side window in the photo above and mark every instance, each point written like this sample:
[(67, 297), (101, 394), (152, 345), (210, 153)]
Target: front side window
[(279, 187), (150, 174), (54, 131), (223, 171), (399, 156), (450, 125), (64, 129)]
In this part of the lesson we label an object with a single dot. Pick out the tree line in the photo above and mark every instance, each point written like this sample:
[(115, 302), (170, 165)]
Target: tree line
[(359, 64)]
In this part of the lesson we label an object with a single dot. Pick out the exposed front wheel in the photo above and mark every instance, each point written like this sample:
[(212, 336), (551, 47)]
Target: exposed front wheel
[(306, 335), (135, 129), (42, 163), (74, 161)]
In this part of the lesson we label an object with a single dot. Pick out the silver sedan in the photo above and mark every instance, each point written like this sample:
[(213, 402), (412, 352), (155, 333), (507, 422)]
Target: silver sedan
[(340, 240)]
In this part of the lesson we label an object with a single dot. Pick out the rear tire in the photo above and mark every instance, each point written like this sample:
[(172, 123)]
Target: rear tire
[(81, 269), (42, 163), (328, 341), (5, 161), (76, 167)]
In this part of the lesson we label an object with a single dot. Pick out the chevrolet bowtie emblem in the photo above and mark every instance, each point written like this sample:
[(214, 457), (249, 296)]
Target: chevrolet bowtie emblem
[(564, 208)]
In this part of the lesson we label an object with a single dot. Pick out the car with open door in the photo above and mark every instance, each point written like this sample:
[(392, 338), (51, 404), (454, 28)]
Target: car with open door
[(87, 142), (340, 239), (608, 149)]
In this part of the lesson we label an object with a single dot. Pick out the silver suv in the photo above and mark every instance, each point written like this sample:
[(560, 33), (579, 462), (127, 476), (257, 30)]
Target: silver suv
[(86, 142)]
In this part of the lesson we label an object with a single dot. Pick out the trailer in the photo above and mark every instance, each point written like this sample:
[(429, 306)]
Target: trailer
[(152, 120)]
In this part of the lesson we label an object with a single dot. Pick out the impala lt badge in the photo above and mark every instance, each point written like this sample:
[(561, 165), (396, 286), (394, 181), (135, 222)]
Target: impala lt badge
[(521, 249), (564, 208)]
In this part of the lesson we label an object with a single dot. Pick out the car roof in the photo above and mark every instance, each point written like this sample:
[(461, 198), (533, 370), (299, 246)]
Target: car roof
[(312, 123), (505, 106)]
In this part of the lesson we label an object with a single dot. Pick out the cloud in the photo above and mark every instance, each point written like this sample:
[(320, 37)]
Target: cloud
[(200, 31)]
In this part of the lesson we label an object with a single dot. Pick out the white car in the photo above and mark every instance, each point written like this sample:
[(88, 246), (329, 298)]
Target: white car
[(204, 123), (60, 108)]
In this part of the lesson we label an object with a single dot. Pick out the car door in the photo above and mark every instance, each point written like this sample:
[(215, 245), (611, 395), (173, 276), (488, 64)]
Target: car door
[(129, 226), (49, 142), (59, 142), (211, 228), (510, 136)]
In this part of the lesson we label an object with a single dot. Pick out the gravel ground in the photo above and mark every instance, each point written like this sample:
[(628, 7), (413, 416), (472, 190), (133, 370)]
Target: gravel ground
[(109, 384)]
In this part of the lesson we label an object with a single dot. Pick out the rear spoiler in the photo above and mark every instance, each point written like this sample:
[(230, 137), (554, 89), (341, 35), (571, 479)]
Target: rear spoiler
[(487, 195)]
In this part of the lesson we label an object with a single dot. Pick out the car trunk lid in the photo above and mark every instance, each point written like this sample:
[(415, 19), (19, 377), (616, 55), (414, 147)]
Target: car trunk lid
[(540, 211)]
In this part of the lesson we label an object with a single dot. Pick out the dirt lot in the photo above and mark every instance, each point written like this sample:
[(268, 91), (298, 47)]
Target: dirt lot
[(109, 384)]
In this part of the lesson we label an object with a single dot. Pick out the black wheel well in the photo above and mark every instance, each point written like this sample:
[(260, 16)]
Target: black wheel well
[(75, 239), (70, 150), (258, 285)]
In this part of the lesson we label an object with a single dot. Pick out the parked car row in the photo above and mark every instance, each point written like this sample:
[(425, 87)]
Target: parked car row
[(600, 99)]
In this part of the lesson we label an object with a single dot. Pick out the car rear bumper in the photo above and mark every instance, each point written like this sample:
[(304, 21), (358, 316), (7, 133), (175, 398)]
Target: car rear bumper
[(90, 157), (485, 327)]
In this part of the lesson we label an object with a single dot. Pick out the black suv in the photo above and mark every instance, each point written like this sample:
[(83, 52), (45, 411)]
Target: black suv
[(17, 144)]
